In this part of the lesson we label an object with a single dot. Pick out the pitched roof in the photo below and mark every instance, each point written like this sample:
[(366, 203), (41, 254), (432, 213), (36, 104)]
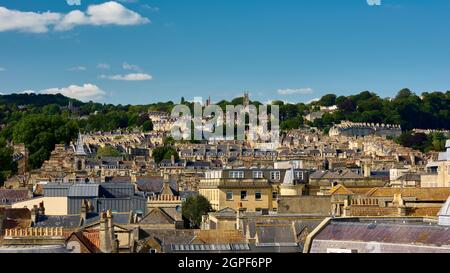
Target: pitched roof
[(15, 218), (425, 234), (89, 238), (340, 189), (157, 216), (84, 190), (276, 232), (8, 196), (421, 194)]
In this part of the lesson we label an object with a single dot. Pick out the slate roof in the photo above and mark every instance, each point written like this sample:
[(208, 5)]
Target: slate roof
[(275, 232), (9, 196), (344, 174), (154, 184), (169, 236), (157, 217), (66, 221)]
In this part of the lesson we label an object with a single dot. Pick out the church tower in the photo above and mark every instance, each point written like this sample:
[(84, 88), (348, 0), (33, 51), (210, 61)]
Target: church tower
[(80, 155), (246, 99)]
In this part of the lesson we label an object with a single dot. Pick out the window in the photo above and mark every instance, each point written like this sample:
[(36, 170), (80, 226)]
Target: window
[(258, 195), (243, 195), (229, 195), (274, 195), (299, 175), (258, 209), (275, 175), (257, 174), (237, 174)]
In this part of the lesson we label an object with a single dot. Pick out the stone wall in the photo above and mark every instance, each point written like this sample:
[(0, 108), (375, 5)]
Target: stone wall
[(320, 205)]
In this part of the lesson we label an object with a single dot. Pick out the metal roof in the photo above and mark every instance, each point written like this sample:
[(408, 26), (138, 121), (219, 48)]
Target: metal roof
[(84, 190), (397, 233)]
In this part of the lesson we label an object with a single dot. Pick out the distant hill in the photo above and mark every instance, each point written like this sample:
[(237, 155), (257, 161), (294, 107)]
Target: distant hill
[(37, 99)]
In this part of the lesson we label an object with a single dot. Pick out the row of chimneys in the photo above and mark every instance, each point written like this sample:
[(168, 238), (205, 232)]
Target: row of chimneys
[(37, 211)]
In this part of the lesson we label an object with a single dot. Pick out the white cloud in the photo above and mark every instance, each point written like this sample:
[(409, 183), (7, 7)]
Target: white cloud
[(27, 92), (85, 92), (290, 91), (127, 66), (129, 77), (78, 68), (103, 66), (27, 21), (108, 13), (73, 2)]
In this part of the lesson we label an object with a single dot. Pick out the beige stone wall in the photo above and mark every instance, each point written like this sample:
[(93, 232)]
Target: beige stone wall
[(53, 205), (250, 203), (439, 180), (305, 204), (218, 199)]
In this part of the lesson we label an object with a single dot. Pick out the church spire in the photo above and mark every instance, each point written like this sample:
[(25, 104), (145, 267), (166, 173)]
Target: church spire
[(79, 148)]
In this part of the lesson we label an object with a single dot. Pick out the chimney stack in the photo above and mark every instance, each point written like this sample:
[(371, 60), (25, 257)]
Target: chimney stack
[(83, 211), (107, 236), (34, 215), (41, 210), (367, 170)]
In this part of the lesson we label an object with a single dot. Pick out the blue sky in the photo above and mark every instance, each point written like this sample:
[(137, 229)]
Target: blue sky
[(291, 50)]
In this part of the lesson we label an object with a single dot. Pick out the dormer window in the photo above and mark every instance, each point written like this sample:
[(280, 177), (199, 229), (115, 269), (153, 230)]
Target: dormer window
[(257, 174), (275, 175), (237, 174)]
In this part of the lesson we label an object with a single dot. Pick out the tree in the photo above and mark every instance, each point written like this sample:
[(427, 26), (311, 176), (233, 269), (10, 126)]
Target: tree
[(164, 152), (328, 100), (147, 126), (194, 208), (290, 124), (7, 166), (108, 151)]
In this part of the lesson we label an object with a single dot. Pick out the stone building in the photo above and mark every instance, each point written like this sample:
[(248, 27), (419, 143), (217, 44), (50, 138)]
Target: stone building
[(438, 172), (347, 128)]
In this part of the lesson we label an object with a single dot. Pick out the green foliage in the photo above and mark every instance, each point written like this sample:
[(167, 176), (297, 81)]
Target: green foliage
[(422, 142), (194, 208), (36, 99), (164, 152), (169, 141), (290, 124), (40, 133), (108, 151), (431, 111), (147, 126), (7, 166), (328, 100)]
